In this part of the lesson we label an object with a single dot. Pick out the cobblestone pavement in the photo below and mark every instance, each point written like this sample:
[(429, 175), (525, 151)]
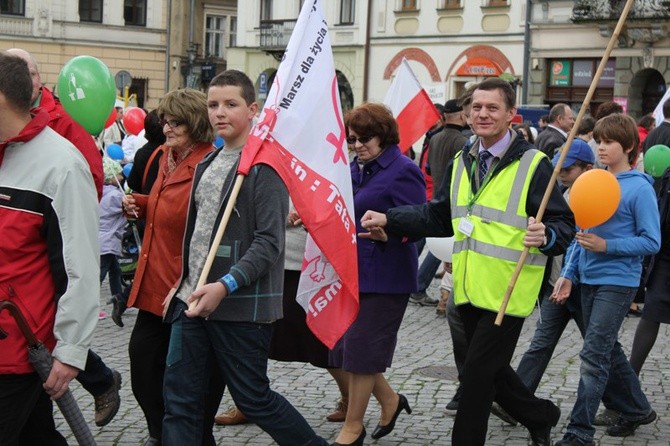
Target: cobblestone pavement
[(424, 342)]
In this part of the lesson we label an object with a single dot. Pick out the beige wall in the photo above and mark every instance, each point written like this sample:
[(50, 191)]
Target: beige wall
[(51, 57)]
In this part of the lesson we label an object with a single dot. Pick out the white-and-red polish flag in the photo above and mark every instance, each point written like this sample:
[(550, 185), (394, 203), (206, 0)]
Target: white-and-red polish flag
[(301, 134), (411, 106)]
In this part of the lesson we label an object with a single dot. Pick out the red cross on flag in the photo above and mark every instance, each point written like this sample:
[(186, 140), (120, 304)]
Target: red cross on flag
[(301, 134)]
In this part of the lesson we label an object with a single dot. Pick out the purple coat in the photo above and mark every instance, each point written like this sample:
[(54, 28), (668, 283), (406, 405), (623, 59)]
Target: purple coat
[(112, 220), (390, 180)]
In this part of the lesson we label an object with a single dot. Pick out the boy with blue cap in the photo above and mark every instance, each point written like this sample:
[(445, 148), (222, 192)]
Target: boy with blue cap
[(578, 160), (554, 317)]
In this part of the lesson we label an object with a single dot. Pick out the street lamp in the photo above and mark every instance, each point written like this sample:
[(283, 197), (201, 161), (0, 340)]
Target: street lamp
[(192, 78)]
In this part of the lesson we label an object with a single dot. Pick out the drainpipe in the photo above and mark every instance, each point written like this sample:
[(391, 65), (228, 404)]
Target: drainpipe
[(366, 54), (191, 24), (526, 55), (168, 30), (191, 50)]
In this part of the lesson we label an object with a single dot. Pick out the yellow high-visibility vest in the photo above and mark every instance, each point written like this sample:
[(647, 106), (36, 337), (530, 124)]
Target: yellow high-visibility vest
[(483, 263)]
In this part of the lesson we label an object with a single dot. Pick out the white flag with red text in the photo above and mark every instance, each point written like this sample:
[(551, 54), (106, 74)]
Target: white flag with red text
[(301, 134), (411, 106)]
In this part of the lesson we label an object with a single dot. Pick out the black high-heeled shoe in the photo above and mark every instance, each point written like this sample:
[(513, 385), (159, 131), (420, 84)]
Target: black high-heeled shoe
[(357, 442), (381, 431)]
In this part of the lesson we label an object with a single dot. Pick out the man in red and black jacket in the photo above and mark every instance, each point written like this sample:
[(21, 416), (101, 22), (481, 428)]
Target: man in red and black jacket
[(98, 379), (49, 259)]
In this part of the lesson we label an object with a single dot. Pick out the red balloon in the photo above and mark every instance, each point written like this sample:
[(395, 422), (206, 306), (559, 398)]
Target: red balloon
[(133, 120), (111, 119)]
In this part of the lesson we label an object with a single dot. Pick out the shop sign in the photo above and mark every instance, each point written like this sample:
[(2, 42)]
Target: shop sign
[(560, 73), (582, 73), (478, 66), (609, 75), (584, 70)]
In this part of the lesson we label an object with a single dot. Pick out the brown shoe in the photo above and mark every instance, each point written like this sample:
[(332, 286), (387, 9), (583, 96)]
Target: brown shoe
[(340, 412), (107, 404), (231, 417)]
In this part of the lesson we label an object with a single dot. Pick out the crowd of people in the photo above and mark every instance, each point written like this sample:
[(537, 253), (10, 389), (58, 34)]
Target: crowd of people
[(194, 337)]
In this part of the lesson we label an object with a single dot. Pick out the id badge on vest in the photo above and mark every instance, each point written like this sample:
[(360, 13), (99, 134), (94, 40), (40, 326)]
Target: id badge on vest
[(466, 226)]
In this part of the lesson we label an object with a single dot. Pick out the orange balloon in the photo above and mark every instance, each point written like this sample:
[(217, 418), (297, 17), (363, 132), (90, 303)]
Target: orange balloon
[(594, 198)]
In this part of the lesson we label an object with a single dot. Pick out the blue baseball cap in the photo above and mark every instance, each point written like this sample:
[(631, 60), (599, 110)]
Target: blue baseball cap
[(579, 150)]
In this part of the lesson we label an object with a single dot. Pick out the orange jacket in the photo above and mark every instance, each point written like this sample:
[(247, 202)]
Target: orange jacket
[(164, 210)]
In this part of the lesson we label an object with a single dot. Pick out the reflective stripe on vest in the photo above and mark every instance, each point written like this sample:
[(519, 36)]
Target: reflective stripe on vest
[(483, 263)]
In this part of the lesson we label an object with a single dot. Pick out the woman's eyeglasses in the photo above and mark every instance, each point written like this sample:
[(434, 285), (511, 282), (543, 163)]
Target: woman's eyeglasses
[(172, 123), (362, 139)]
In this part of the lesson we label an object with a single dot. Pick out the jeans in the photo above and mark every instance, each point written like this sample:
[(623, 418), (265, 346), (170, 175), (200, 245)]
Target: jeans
[(110, 264), (604, 308), (240, 349), (550, 326), (427, 270), (96, 378)]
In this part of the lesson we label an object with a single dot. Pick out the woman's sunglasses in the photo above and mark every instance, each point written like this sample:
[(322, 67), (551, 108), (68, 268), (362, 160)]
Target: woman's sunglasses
[(362, 139)]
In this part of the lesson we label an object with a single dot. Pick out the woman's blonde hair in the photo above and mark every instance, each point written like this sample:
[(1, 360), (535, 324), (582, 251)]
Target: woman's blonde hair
[(190, 107)]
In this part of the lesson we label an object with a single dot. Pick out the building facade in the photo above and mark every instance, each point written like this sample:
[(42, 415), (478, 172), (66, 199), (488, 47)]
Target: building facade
[(265, 27), (568, 39), (125, 35), (448, 43)]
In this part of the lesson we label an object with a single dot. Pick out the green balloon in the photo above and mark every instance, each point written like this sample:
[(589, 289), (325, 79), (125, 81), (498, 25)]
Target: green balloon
[(656, 160), (87, 91)]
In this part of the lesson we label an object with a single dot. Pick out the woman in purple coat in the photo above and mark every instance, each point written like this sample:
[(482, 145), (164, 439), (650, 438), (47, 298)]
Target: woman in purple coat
[(382, 178)]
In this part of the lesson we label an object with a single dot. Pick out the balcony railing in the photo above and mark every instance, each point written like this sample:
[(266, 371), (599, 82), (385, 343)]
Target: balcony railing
[(599, 10), (276, 33), (16, 25)]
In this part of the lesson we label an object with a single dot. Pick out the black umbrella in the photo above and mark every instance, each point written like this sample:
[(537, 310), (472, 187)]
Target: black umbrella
[(40, 358)]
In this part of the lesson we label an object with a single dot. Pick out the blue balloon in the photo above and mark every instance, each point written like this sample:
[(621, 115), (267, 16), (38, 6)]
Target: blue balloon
[(126, 169), (115, 152)]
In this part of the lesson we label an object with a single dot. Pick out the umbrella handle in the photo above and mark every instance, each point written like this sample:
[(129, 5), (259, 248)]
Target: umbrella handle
[(20, 321)]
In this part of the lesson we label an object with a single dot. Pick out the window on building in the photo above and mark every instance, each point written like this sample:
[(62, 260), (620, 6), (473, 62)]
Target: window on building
[(90, 11), (347, 11), (215, 36), (135, 12), (498, 2), (266, 9), (451, 4), (139, 87), (14, 7), (233, 32), (408, 5)]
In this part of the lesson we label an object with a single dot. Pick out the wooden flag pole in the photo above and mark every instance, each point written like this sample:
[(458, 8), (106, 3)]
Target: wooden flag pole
[(230, 205), (561, 159)]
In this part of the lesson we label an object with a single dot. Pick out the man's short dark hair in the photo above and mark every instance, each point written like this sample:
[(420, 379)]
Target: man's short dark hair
[(495, 83), (666, 109), (556, 112), (608, 108), (15, 82), (236, 78), (587, 125), (153, 130)]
